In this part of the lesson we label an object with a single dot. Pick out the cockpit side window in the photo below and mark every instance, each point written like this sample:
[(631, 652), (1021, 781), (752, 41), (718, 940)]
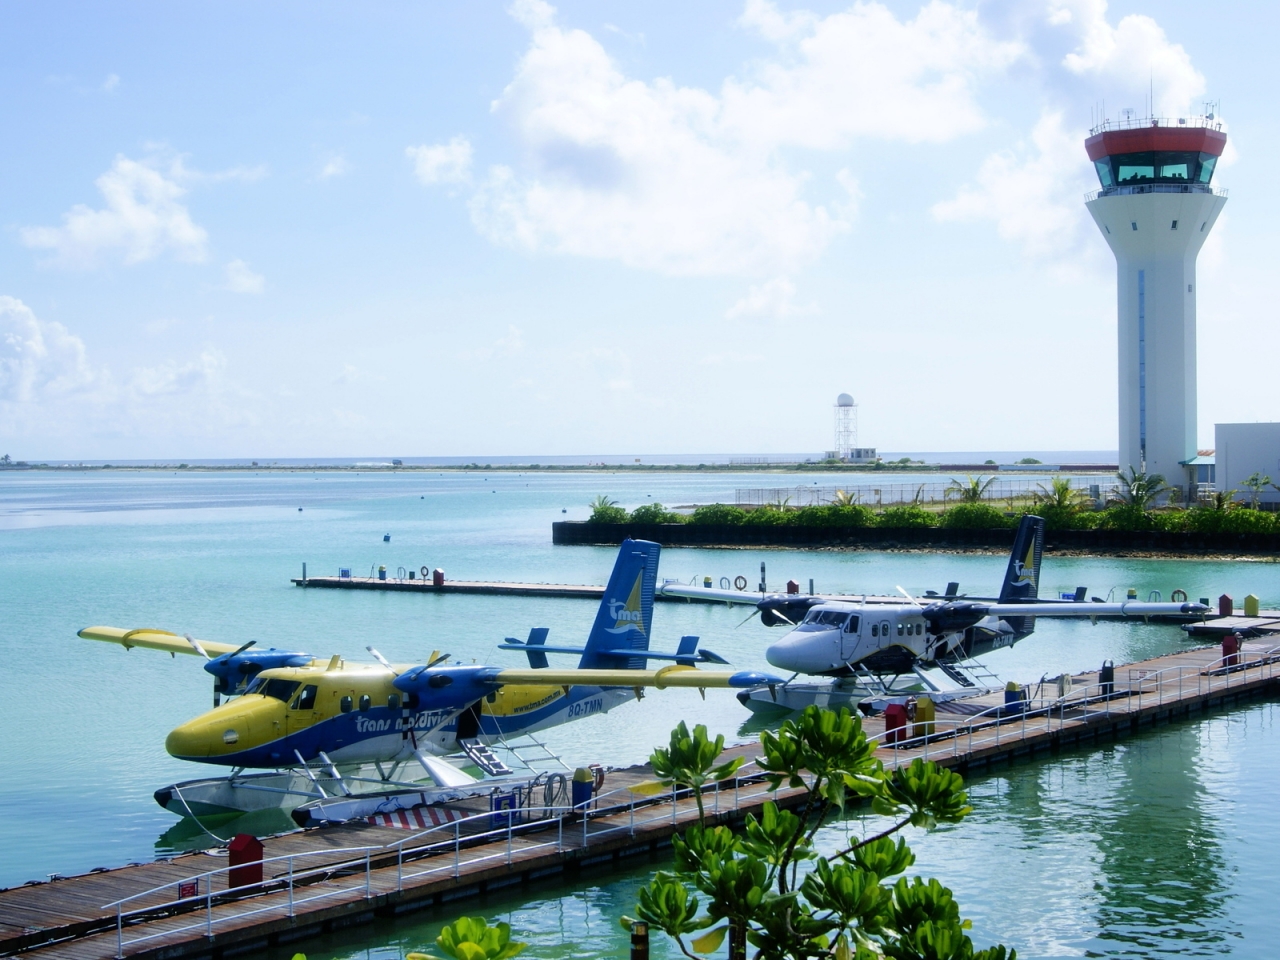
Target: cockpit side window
[(279, 689), (851, 626), (307, 699)]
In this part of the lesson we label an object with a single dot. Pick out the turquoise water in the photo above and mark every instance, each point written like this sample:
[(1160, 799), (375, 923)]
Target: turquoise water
[(1156, 846), (212, 555)]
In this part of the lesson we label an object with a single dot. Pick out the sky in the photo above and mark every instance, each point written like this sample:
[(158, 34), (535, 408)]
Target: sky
[(401, 229)]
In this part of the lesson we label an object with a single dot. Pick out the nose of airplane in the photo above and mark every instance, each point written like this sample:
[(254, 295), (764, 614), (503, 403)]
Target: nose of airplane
[(801, 652), (227, 729)]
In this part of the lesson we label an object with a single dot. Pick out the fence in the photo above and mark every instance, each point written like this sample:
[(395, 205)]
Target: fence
[(930, 492)]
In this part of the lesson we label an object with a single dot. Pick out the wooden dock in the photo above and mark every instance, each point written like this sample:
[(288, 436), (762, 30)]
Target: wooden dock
[(319, 880), (484, 587)]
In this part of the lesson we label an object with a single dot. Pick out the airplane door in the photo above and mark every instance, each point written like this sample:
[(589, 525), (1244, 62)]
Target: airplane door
[(302, 710), (849, 638)]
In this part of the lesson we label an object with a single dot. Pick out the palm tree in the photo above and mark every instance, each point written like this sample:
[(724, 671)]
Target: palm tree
[(1059, 495), (1222, 500), (602, 503), (1255, 483), (843, 499), (972, 491), (1139, 491)]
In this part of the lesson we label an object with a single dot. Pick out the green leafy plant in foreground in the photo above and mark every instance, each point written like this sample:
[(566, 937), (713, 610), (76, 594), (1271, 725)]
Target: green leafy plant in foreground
[(471, 938), (852, 905)]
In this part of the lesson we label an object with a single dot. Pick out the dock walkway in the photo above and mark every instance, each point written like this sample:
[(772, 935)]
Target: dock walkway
[(319, 880)]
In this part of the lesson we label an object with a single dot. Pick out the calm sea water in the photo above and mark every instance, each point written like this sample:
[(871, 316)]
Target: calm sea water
[(1087, 855)]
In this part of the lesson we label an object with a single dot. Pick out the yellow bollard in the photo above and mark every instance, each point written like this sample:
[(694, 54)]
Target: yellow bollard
[(1251, 606), (924, 724)]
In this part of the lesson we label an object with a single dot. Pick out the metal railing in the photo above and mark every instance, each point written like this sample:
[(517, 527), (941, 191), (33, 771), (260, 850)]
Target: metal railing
[(1206, 121), (1009, 722), (441, 846), (1128, 189)]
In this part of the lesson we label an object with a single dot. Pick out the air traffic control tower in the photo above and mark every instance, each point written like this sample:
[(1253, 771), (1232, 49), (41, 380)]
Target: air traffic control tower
[(1155, 209)]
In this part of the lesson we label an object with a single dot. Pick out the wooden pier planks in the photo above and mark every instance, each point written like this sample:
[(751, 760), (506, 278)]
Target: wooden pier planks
[(72, 908)]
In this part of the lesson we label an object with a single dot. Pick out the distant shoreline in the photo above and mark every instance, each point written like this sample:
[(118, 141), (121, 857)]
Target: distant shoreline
[(762, 468)]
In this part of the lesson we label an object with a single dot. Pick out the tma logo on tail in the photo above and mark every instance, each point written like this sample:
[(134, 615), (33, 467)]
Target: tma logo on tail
[(627, 616), (1025, 569)]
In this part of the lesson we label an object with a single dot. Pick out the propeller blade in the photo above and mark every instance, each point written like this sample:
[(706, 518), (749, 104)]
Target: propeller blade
[(753, 613), (382, 660), (910, 597), (439, 658), (195, 645), (243, 647), (783, 617)]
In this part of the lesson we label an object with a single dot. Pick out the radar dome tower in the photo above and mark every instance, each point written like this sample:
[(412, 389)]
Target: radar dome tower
[(1155, 209), (846, 426)]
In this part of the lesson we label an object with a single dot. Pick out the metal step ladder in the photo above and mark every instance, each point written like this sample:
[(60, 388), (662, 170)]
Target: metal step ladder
[(484, 758), (970, 673)]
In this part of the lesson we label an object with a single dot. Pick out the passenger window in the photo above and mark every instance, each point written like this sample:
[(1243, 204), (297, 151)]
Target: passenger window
[(875, 630), (307, 699), (365, 702), (919, 629), (345, 704), (393, 702), (901, 629)]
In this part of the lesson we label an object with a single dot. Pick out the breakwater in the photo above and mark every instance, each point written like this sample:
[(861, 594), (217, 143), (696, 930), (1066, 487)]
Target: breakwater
[(583, 533)]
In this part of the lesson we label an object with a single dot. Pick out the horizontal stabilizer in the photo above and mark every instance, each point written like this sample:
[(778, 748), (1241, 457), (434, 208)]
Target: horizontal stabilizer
[(675, 675)]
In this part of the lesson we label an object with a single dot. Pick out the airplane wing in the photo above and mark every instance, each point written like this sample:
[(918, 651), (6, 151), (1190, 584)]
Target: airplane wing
[(152, 639), (671, 676), (707, 593)]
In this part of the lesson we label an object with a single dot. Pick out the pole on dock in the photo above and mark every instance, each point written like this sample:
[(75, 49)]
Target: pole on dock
[(639, 940), (304, 573)]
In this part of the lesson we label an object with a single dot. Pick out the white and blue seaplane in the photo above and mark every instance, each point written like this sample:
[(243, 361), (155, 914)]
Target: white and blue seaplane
[(323, 729), (868, 649)]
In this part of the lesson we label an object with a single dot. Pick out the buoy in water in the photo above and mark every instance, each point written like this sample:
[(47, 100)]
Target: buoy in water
[(386, 538)]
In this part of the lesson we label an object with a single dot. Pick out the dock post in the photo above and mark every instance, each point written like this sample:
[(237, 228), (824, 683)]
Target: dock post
[(368, 876), (208, 909), (291, 888), (639, 940), (119, 932), (304, 573)]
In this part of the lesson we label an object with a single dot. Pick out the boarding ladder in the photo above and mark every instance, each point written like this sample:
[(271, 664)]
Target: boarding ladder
[(484, 758), (970, 673)]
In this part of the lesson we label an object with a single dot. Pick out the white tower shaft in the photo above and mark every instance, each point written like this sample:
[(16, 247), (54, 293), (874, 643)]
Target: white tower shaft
[(1156, 237)]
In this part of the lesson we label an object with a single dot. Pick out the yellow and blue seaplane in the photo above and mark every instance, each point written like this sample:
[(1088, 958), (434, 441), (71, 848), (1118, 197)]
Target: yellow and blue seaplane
[(323, 726)]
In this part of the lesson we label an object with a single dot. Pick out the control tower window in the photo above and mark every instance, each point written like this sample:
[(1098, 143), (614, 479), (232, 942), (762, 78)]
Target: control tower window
[(1159, 166)]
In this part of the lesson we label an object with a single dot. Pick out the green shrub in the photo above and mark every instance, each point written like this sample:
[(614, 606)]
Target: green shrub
[(1064, 518), (766, 516), (718, 513), (604, 510), (654, 513), (911, 515), (1126, 518), (835, 517), (1207, 520), (974, 516)]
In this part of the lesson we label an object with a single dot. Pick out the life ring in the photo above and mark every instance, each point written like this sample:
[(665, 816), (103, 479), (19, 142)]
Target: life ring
[(724, 583), (740, 582), (426, 571), (1178, 596), (598, 771)]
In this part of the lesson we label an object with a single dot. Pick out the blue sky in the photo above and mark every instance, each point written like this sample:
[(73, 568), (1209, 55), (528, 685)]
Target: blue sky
[(318, 229)]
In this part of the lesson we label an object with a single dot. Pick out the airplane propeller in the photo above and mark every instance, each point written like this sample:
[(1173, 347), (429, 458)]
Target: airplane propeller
[(382, 660), (195, 645), (438, 658)]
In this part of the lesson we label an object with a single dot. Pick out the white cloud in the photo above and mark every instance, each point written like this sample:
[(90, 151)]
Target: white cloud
[(335, 166), (864, 73), (657, 175), (39, 359), (1033, 193), (240, 279), (443, 163), (110, 84), (1132, 57), (775, 300), (50, 389), (143, 218)]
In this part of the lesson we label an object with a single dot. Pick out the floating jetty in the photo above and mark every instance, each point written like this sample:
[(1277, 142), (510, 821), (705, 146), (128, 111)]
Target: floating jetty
[(485, 587), (318, 880)]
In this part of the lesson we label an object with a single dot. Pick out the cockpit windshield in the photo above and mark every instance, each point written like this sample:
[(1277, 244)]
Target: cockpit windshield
[(279, 689), (824, 620)]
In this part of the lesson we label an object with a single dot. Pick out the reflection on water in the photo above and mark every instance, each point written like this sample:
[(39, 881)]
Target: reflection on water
[(191, 834), (1130, 849)]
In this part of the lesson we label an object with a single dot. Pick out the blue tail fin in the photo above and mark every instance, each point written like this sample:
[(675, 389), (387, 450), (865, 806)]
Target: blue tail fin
[(626, 610), (1022, 578)]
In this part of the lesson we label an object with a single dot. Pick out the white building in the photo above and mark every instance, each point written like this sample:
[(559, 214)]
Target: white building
[(1243, 449), (1155, 209)]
